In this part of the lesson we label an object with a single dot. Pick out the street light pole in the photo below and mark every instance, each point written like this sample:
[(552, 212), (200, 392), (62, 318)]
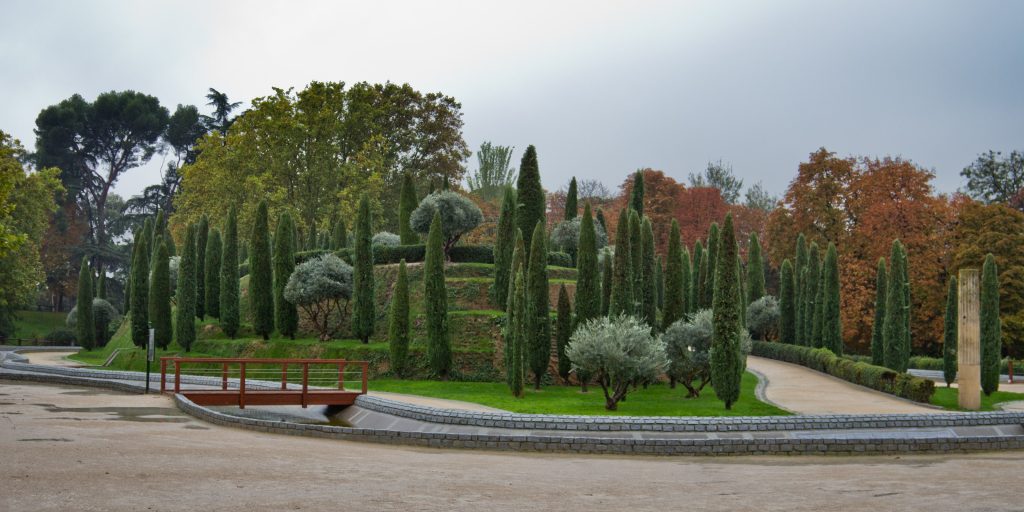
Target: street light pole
[(150, 352)]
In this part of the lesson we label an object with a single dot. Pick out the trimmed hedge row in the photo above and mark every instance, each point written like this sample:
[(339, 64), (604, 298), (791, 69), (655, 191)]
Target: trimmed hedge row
[(385, 255), (878, 378)]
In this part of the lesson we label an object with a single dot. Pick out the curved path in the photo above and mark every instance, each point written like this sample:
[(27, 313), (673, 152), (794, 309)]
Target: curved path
[(805, 391)]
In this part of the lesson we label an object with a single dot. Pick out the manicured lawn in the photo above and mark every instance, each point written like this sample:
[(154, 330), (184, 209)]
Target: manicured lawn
[(947, 398), (656, 400), (37, 324)]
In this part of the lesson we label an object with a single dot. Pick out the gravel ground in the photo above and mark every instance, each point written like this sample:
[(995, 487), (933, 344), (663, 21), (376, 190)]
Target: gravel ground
[(74, 448)]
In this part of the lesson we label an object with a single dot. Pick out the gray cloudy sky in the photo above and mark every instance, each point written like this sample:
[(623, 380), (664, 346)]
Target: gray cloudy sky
[(601, 88)]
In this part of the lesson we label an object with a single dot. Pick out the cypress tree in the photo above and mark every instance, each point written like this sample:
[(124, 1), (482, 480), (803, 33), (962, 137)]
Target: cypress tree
[(817, 319), (636, 256), (687, 270), (160, 288), (229, 276), (147, 239), (991, 335), (648, 287), (675, 287), (571, 201), (563, 330), (504, 244), (636, 198), (906, 300), (606, 282), (261, 275), (877, 336), (86, 327), (363, 316), (949, 338), (339, 236), (406, 204), (286, 315), (787, 303), (169, 240), (798, 295), (515, 340), (530, 195), (398, 323), (101, 284), (659, 283), (711, 259), (538, 319), (157, 234), (185, 296), (726, 357), (698, 274), (512, 328), (588, 286), (894, 327), (811, 294), (139, 297), (600, 220), (202, 236), (313, 238), (211, 262), (439, 349), (621, 300), (755, 270), (743, 290), (243, 253), (832, 327)]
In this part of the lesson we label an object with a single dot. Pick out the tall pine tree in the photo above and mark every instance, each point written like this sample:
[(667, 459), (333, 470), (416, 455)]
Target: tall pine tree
[(185, 296), (160, 294), (286, 315), (504, 244), (571, 207), (755, 270), (538, 317), (439, 345), (726, 356), (877, 337), (949, 338), (588, 286), (787, 303), (621, 301), (832, 328), (399, 323), (675, 288), (991, 335), (211, 263), (364, 315), (202, 237), (530, 195), (261, 275), (229, 276), (86, 326)]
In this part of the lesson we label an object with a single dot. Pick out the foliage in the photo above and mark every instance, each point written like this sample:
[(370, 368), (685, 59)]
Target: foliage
[(563, 330), (763, 318), (618, 351), (571, 201), (530, 195), (286, 316), (991, 337), (811, 284), (798, 293), (202, 235), (606, 281), (832, 328), (386, 239), (994, 179), (493, 171), (407, 202), (459, 215), (439, 349), (877, 331), (104, 315), (185, 296), (755, 270), (321, 287), (261, 276), (229, 311), (621, 301), (503, 246), (588, 286), (566, 236), (949, 335), (697, 276), (537, 319), (399, 322), (719, 176), (139, 297), (758, 198), (86, 328), (160, 300), (894, 329), (787, 304), (712, 260), (211, 262), (675, 284), (636, 251), (363, 317), (636, 196), (512, 331), (648, 287), (727, 358), (339, 235)]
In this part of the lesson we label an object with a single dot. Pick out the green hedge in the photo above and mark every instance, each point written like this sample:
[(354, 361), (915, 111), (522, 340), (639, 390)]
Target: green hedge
[(875, 377)]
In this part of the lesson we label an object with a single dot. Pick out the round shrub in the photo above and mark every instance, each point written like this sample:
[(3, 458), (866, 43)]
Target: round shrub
[(566, 236), (688, 345), (386, 239), (104, 316), (459, 215), (763, 318), (64, 336), (321, 287)]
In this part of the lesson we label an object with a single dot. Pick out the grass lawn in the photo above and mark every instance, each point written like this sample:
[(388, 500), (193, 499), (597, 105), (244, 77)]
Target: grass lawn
[(657, 400), (947, 398), (37, 324)]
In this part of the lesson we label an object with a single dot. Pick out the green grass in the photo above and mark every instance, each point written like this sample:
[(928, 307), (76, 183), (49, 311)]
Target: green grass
[(121, 338), (37, 324), (948, 397), (656, 400)]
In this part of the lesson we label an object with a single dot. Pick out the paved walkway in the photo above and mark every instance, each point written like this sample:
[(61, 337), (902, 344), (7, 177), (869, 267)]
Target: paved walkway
[(805, 391)]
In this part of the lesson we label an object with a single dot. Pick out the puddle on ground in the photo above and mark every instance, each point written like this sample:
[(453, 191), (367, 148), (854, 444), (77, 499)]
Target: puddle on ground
[(196, 427), (57, 439), (142, 414), (8, 403)]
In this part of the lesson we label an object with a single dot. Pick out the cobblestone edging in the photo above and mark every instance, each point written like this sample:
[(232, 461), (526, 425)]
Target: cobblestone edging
[(626, 444), (47, 378), (682, 424)]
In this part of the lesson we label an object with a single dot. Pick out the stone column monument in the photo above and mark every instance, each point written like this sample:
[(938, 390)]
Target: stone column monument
[(968, 340)]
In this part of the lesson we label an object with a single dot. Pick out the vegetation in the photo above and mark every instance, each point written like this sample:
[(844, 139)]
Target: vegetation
[(160, 300), (636, 199), (512, 331), (571, 200), (787, 303), (762, 318), (537, 318), (407, 202), (399, 322), (436, 298), (458, 216), (588, 286), (563, 330), (321, 287), (619, 352), (185, 297), (504, 244), (755, 270), (202, 237), (621, 300), (229, 311), (675, 283), (530, 195), (798, 292), (832, 327), (494, 171), (727, 358), (648, 287), (877, 331), (949, 338), (86, 328), (991, 337), (363, 316), (895, 334), (286, 316)]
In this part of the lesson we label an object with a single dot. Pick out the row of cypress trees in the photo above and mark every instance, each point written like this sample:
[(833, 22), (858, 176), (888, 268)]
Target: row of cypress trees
[(809, 297)]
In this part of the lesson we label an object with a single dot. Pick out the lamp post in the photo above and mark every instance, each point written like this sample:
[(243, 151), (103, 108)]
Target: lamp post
[(150, 352)]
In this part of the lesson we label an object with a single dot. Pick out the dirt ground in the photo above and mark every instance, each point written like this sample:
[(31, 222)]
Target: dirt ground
[(65, 448)]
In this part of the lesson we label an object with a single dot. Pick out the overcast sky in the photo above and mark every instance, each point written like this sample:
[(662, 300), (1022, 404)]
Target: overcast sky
[(601, 88)]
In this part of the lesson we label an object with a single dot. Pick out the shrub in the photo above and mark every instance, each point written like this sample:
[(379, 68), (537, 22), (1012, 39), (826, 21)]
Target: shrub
[(559, 259), (688, 346), (321, 287), (617, 352), (763, 318), (64, 336), (471, 254), (387, 239), (458, 214), (104, 316), (565, 237), (86, 326)]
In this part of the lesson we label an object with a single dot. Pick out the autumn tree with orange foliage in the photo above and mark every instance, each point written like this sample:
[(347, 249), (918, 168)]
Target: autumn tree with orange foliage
[(661, 193)]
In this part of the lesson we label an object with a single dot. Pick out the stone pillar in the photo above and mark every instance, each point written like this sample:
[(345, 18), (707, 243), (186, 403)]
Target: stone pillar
[(968, 340)]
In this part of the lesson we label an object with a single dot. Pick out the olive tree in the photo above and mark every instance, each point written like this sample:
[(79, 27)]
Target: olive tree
[(321, 288), (688, 346), (458, 216), (763, 318), (386, 239), (566, 236), (618, 352)]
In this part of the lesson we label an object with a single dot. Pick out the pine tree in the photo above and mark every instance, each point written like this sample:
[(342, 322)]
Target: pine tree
[(711, 258), (538, 318), (286, 315), (894, 327), (877, 336), (606, 282), (185, 296), (139, 297), (512, 329), (530, 196), (675, 285), (211, 262), (636, 256), (202, 236), (787, 303), (798, 294), (261, 275), (406, 204), (563, 330), (755, 270), (399, 323), (832, 328), (86, 327), (588, 286), (991, 335), (698, 274), (504, 244), (160, 288), (439, 349), (636, 198), (515, 340), (811, 294), (571, 207), (648, 287), (726, 357), (229, 276), (363, 316), (621, 301), (339, 236), (949, 338)]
